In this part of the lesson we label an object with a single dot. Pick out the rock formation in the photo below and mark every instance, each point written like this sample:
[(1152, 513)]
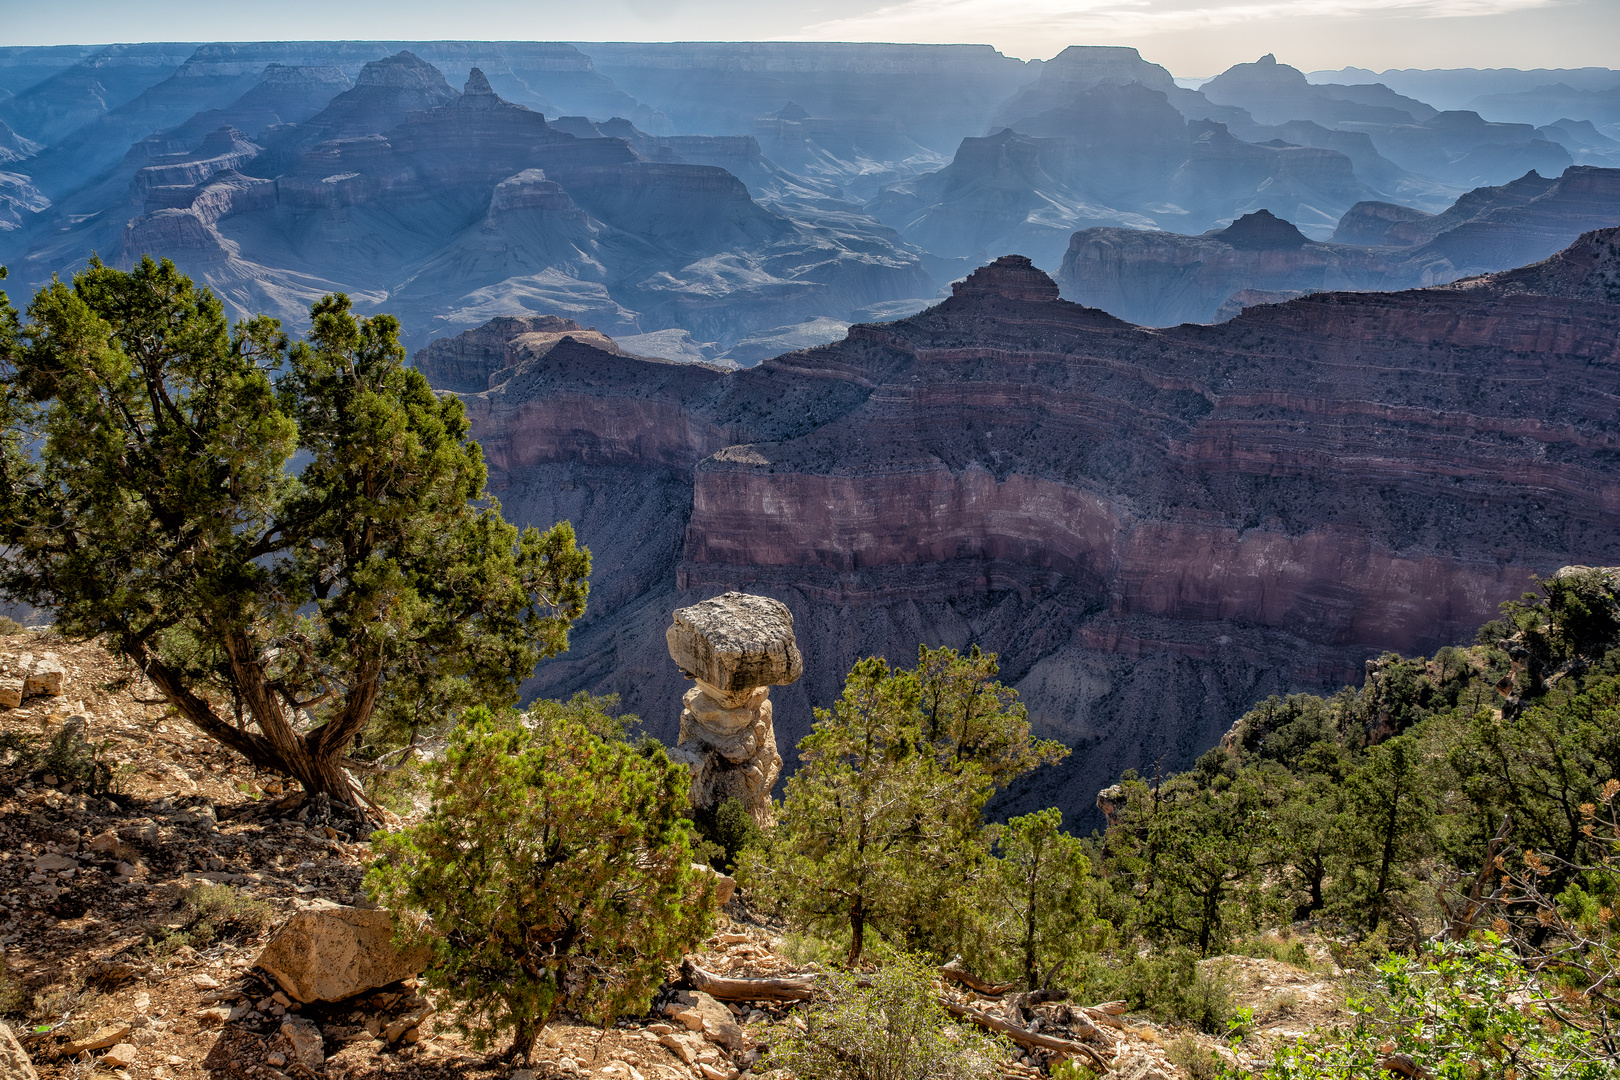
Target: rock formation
[(1153, 528), (735, 647), (1161, 278)]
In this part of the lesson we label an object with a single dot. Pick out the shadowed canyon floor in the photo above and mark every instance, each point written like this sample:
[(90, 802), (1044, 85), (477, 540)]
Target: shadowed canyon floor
[(1154, 528)]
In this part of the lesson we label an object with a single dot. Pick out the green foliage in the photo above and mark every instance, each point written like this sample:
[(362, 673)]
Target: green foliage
[(1040, 904), (207, 913), (1190, 854), (281, 608), (1168, 984), (1459, 1011), (890, 1028), (553, 871), (880, 827), (67, 755), (727, 830)]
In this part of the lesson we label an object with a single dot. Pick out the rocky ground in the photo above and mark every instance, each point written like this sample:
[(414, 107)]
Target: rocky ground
[(132, 925)]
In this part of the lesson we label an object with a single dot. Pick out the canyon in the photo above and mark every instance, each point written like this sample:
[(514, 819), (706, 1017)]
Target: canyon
[(1153, 527)]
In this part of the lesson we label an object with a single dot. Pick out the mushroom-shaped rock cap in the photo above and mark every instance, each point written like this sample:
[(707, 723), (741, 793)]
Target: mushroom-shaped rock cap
[(734, 643)]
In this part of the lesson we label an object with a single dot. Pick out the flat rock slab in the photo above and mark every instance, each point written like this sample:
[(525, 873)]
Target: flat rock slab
[(334, 952), (735, 643)]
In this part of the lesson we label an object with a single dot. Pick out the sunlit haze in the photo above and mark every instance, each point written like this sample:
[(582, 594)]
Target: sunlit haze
[(1191, 37)]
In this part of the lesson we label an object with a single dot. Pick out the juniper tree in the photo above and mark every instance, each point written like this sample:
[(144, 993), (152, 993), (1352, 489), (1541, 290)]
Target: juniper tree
[(553, 870), (881, 826), (290, 539)]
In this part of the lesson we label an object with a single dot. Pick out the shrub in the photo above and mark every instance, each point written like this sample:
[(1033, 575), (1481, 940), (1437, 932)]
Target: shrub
[(208, 913), (890, 1028), (554, 870), (1456, 1009), (67, 755), (1195, 1062), (1171, 986), (728, 830)]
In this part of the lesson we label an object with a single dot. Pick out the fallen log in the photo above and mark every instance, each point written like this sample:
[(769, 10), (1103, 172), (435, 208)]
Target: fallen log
[(1027, 1039), (794, 988), (956, 973)]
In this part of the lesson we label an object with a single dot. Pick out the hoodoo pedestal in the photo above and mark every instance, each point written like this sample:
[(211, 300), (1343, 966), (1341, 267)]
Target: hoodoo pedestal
[(735, 647)]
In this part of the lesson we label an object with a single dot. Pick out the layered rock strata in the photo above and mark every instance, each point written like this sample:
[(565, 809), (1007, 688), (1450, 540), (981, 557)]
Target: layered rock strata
[(1153, 528), (735, 647)]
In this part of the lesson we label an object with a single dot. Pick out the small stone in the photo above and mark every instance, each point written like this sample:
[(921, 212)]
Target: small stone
[(204, 982), (121, 1056), (55, 862), (11, 693), (660, 1029), (709, 1072), (306, 1041), (691, 1018), (278, 1060), (111, 1035), (219, 1014)]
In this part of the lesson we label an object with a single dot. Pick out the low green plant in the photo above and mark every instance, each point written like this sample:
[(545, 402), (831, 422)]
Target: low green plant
[(13, 998), (887, 1026), (1269, 947), (1169, 985), (1194, 1061), (553, 871), (1453, 1010), (208, 913), (67, 755)]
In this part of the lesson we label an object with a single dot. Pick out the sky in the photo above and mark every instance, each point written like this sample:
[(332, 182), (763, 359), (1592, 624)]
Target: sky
[(1190, 37)]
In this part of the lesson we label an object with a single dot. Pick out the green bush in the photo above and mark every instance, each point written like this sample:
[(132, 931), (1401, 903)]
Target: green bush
[(554, 870), (891, 1027)]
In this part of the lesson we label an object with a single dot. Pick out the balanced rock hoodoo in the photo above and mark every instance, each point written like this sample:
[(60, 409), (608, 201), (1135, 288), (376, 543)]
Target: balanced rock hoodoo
[(735, 647)]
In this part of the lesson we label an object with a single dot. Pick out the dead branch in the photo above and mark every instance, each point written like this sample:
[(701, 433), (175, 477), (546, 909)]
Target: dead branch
[(793, 988), (957, 973), (1028, 1039)]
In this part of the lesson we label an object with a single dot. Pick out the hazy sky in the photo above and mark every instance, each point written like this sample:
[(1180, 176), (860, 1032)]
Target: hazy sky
[(1191, 37)]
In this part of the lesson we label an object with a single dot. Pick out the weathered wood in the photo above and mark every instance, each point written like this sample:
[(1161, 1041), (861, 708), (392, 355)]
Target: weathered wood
[(794, 988), (956, 973), (1028, 1039)]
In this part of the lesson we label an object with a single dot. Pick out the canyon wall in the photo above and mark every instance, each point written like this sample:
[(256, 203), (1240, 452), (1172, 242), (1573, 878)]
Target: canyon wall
[(1153, 528)]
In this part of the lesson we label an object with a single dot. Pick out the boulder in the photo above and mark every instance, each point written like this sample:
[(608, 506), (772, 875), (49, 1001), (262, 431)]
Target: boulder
[(11, 693), (331, 952), (701, 1013), (44, 676), (14, 1062), (733, 644)]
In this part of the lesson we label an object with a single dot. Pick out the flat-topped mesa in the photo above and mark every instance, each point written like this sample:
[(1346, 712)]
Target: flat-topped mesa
[(735, 647), (1011, 277)]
